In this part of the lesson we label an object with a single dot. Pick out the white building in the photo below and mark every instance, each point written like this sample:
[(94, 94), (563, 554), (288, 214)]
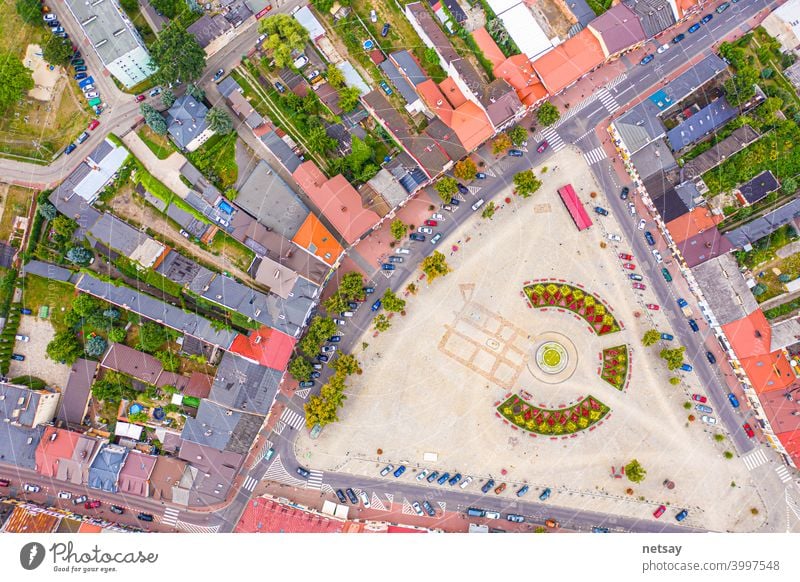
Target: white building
[(784, 25), (522, 27), (114, 39)]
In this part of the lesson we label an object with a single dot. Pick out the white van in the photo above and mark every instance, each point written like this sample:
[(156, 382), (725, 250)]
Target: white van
[(347, 313), (478, 204), (491, 515)]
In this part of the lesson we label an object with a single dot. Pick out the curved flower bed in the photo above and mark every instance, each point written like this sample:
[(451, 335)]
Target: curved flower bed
[(562, 421), (614, 366), (563, 295)]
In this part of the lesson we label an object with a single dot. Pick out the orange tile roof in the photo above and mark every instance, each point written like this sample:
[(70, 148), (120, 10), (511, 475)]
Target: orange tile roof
[(684, 6), (518, 72), (266, 516), (312, 233), (89, 528), (435, 100), (692, 223), (471, 125), (269, 347), (49, 453), (749, 336), (23, 520), (768, 372), (452, 93), (569, 61), (337, 200), (488, 47), (791, 442)]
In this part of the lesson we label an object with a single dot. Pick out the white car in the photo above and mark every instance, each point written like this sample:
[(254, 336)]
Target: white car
[(642, 224), (386, 470), (364, 498), (663, 48), (31, 488), (402, 251), (632, 208), (425, 230), (466, 482), (614, 237), (87, 89), (708, 419), (49, 17), (260, 39), (422, 474), (373, 16), (339, 321), (64, 495), (657, 255), (22, 338), (437, 217), (328, 349), (417, 507), (92, 94)]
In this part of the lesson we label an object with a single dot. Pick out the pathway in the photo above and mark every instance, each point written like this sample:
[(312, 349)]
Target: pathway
[(167, 171)]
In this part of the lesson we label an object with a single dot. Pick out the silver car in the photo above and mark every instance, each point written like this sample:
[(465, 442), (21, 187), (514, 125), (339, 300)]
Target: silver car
[(386, 470), (703, 408), (425, 230), (708, 419)]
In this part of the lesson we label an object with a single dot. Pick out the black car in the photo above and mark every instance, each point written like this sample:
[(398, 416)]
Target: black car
[(117, 509), (280, 87), (487, 486), (322, 358), (693, 325), (417, 237), (428, 509), (455, 201), (711, 358), (303, 472), (335, 339), (385, 29), (352, 305), (624, 193), (678, 38), (308, 384), (648, 236), (432, 476), (341, 496), (144, 517), (315, 374), (351, 495), (462, 188)]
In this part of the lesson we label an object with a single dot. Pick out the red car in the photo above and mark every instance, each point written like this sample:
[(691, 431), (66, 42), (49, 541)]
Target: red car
[(748, 430), (625, 257), (660, 511), (630, 266), (92, 504), (93, 124), (639, 286), (431, 223), (653, 307), (699, 398), (542, 147), (140, 98)]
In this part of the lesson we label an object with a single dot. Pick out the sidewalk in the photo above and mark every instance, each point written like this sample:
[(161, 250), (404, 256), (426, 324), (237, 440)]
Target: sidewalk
[(167, 171)]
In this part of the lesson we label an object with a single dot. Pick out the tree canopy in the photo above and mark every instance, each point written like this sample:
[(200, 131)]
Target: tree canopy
[(518, 135), (64, 347), (741, 87), (15, 80), (177, 55), (501, 143), (169, 8), (392, 302), (153, 119), (398, 229), (30, 11), (219, 121), (57, 51), (435, 266), (673, 357), (635, 472), (465, 170), (300, 369), (348, 98), (151, 336), (526, 183), (547, 114), (446, 187), (650, 337), (318, 332), (284, 34)]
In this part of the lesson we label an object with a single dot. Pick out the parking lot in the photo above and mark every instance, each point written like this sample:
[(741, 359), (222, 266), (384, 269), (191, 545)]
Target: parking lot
[(36, 361), (430, 384)]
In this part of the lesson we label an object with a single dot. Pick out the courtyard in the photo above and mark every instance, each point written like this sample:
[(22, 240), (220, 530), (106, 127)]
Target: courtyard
[(448, 380)]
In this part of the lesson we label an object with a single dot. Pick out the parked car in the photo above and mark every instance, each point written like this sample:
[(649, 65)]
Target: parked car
[(417, 237), (417, 508), (280, 87), (386, 88), (694, 28), (144, 517), (399, 471), (454, 479), (597, 529), (64, 495), (70, 148), (425, 229), (667, 336), (340, 496), (431, 222), (421, 475), (722, 7), (432, 477), (706, 19), (93, 124), (22, 338), (386, 470), (82, 137), (328, 349), (748, 430), (307, 384), (686, 367), (629, 266), (79, 500), (522, 490), (545, 495), (703, 408), (614, 237), (351, 495), (711, 358), (733, 400), (514, 518), (624, 193), (335, 339), (641, 225), (387, 267), (139, 98), (465, 482), (708, 419), (157, 91), (601, 211), (322, 358), (694, 326), (49, 17), (682, 515), (443, 478), (647, 59), (339, 321), (429, 509), (552, 523), (376, 306), (639, 286), (515, 153), (80, 68), (25, 311), (652, 306), (635, 276), (80, 76), (667, 276), (657, 255), (385, 29), (678, 38), (436, 238), (461, 188), (648, 236), (487, 486), (660, 511), (92, 94), (542, 146), (663, 48), (31, 488), (93, 504), (455, 201), (632, 208), (699, 398), (218, 75), (500, 488), (625, 257), (480, 176), (373, 16), (18, 357), (303, 472)]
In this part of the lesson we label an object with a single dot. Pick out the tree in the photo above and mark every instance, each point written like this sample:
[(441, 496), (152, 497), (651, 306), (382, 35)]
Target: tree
[(79, 256), (673, 357), (48, 211), (64, 347), (392, 302), (195, 91), (168, 97), (547, 114), (446, 187), (177, 55), (465, 170), (318, 332), (84, 305), (63, 227), (169, 8), (398, 229), (381, 322), (346, 365), (15, 79), (117, 334), (435, 266), (348, 98), (169, 359), (430, 57), (129, 5), (112, 387), (300, 369), (526, 183), (151, 336), (789, 185), (219, 121), (153, 119), (635, 472), (30, 11), (95, 346), (741, 87), (489, 210), (322, 409), (335, 77), (57, 51), (650, 337), (352, 286), (674, 380), (501, 143), (518, 135), (284, 34), (336, 303), (318, 139)]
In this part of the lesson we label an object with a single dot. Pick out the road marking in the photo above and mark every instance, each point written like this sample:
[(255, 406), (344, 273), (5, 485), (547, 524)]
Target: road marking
[(249, 483), (442, 504), (553, 139), (489, 172), (315, 480), (608, 100), (616, 81), (595, 155), (277, 472), (474, 190), (377, 503), (407, 509), (793, 505), (293, 419), (190, 527), (279, 427), (755, 459), (303, 393), (170, 516), (783, 474)]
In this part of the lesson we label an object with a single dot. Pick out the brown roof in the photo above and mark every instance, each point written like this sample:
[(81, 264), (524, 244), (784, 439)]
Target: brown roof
[(23, 520), (199, 385), (132, 362), (447, 139), (75, 397), (500, 101), (167, 474), (617, 29), (430, 27)]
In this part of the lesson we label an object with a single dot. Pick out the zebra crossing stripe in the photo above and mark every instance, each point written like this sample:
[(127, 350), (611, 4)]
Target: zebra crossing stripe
[(474, 189), (303, 393), (407, 509), (249, 483), (793, 505), (783, 474), (279, 427), (193, 528), (293, 419), (553, 139), (755, 459), (594, 156), (170, 516), (314, 480), (616, 81), (442, 504), (607, 100)]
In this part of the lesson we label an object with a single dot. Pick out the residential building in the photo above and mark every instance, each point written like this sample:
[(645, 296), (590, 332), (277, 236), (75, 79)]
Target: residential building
[(105, 468), (405, 74), (700, 124), (307, 20), (171, 481), (66, 456), (91, 176), (655, 16), (115, 40), (133, 363), (25, 407), (719, 152), (31, 519), (265, 196), (265, 346), (618, 30), (783, 24), (75, 397), (112, 238), (569, 61), (212, 32), (313, 237), (522, 27), (518, 72), (760, 227), (134, 477), (186, 123), (757, 188), (245, 386), (212, 470)]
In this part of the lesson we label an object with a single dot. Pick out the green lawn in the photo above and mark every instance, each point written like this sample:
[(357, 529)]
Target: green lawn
[(158, 144), (216, 160), (38, 291), (16, 202)]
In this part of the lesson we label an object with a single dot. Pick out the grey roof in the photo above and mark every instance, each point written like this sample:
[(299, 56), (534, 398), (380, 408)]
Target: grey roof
[(117, 234), (76, 393), (188, 221), (395, 78), (227, 86), (454, 8), (388, 186), (689, 194), (281, 150), (136, 364), (690, 81), (208, 28), (408, 67), (582, 12), (500, 101), (186, 119), (761, 227), (655, 15), (75, 207), (238, 13), (104, 471), (640, 126), (758, 187), (718, 153), (269, 199), (18, 445), (156, 310), (213, 472), (784, 334), (19, 404), (430, 28), (179, 269), (725, 289), (47, 270), (619, 28), (669, 204), (200, 183), (221, 428), (710, 117), (446, 138), (653, 158), (244, 385)]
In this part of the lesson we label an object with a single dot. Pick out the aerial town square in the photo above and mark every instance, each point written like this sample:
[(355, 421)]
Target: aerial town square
[(526, 266)]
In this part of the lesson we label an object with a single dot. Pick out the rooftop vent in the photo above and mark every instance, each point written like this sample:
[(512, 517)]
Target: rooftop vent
[(119, 32), (101, 43), (88, 20)]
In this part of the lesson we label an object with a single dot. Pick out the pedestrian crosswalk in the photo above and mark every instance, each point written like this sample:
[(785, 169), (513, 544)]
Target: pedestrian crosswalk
[(595, 155), (314, 480), (616, 81), (792, 504), (293, 419), (553, 139), (250, 483), (783, 473), (755, 459), (194, 528), (170, 516), (607, 100)]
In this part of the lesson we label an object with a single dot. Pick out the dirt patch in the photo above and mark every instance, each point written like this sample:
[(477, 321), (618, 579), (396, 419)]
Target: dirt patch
[(550, 16), (45, 78), (36, 363)]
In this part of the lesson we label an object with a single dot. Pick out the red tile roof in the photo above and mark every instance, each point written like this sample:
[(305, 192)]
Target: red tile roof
[(749, 336), (435, 100), (768, 372), (569, 61), (451, 91), (315, 238), (575, 207), (269, 347), (698, 220), (266, 516), (468, 120), (488, 47), (337, 199), (50, 452), (518, 72)]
